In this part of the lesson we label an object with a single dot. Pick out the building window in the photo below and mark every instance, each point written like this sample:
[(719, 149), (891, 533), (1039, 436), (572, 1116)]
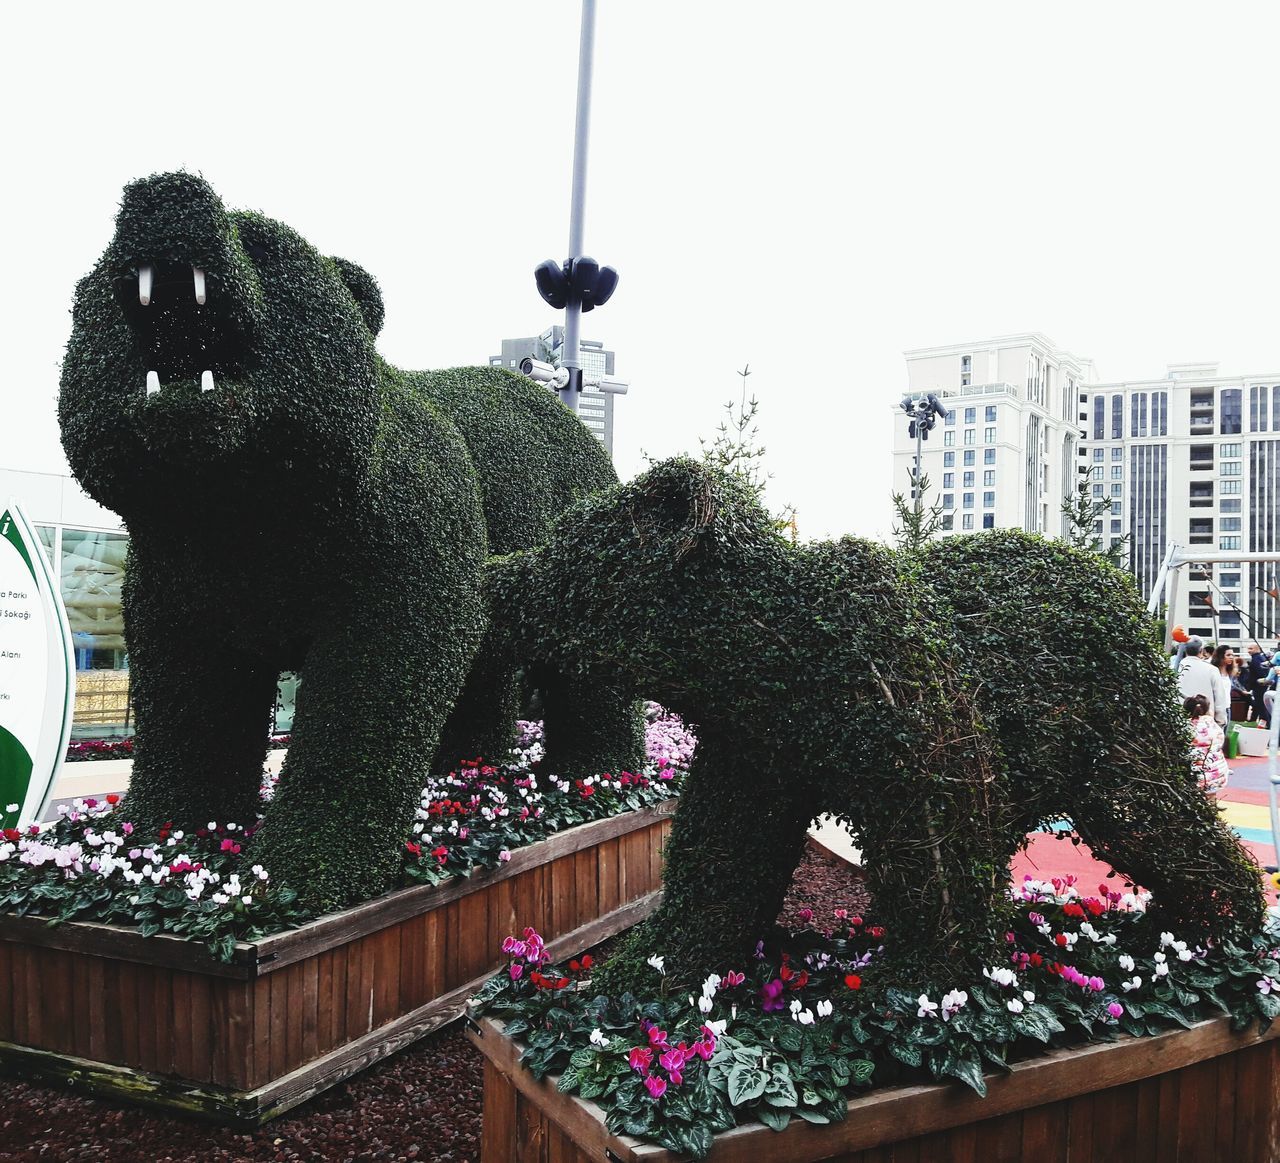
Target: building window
[(989, 477), (969, 435), (948, 502), (988, 456), (1098, 490), (989, 500), (1230, 468), (1117, 453), (948, 438), (1230, 505), (1097, 528), (968, 457), (1097, 472), (968, 521), (948, 460), (1117, 472), (968, 480), (989, 436), (1230, 413), (991, 414), (970, 415), (1117, 417), (1099, 417), (1117, 490), (988, 520), (948, 521), (1115, 526), (1099, 454), (966, 380), (951, 418), (1229, 524), (1228, 542), (1227, 580), (1227, 451), (948, 480), (1159, 413), (966, 363), (967, 500)]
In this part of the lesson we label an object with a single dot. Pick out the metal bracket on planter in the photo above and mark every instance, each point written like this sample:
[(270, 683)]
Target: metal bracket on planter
[(472, 1025), (610, 1157)]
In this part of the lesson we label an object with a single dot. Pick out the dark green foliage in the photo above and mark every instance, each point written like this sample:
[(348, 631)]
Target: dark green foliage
[(836, 677), (317, 510)]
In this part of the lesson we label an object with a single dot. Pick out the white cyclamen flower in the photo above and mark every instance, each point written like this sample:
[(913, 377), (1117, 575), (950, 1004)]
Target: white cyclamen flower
[(927, 1008), (1015, 1005), (953, 1003), (659, 963), (805, 1017), (824, 1009), (1126, 962), (598, 1038), (705, 1004)]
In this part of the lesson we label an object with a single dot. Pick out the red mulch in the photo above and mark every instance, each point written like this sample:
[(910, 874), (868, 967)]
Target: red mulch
[(424, 1103)]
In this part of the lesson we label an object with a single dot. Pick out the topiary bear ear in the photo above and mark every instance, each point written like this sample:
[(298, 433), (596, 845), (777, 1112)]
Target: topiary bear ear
[(675, 501), (364, 290)]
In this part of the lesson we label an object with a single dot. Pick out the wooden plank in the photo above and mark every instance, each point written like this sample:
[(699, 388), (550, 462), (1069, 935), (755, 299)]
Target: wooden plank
[(7, 991), (531, 1134), (119, 1030), (236, 1000), (450, 938), (277, 1040), (55, 1001), (261, 1031), (325, 1040), (610, 895), (1146, 1113), (97, 1003), (498, 1124), (475, 954), (310, 1005), (293, 1056), (1167, 1123), (564, 899), (187, 1040), (586, 886), (141, 990)]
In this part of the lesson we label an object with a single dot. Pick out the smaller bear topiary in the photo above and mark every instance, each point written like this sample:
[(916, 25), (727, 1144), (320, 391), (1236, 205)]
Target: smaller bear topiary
[(942, 705)]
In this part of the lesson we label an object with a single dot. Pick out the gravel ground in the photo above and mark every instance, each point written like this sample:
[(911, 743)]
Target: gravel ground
[(423, 1104)]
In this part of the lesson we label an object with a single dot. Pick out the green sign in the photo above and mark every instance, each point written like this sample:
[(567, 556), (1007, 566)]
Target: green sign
[(37, 673)]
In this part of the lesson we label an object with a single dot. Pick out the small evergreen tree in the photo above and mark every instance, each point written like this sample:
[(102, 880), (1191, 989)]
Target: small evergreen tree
[(1083, 512), (917, 524)]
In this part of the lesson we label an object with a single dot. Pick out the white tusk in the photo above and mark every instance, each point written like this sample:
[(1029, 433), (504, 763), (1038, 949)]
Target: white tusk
[(206, 381), (145, 274), (198, 274), (153, 383)]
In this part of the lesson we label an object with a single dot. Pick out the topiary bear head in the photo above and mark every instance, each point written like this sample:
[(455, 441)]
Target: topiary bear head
[(210, 346), (666, 578)]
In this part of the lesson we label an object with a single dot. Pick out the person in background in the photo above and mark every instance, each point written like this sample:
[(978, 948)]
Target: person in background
[(1259, 666), (1206, 745), (1223, 660), (1269, 692), (1197, 677)]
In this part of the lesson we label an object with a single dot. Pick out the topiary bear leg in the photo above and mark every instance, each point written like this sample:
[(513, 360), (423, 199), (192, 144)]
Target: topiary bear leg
[(594, 723), (482, 722), (371, 706), (1166, 835), (728, 864), (202, 724)]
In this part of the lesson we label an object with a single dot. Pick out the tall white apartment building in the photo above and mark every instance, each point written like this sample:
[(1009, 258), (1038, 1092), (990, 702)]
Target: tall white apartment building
[(1194, 458), (1191, 458), (1006, 455)]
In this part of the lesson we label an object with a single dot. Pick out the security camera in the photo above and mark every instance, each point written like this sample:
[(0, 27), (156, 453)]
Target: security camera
[(936, 405), (609, 385), (544, 373)]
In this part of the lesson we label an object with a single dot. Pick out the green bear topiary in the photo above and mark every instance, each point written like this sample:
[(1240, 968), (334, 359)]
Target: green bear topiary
[(942, 704), (295, 503)]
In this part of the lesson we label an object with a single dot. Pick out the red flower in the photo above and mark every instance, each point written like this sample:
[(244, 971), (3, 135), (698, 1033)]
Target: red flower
[(113, 798), (1036, 960), (853, 981), (1060, 940), (412, 848), (441, 853), (876, 931), (1071, 909), (587, 962), (802, 979)]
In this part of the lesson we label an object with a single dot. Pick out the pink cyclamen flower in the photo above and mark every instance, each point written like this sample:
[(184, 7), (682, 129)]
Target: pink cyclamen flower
[(1266, 985), (771, 996), (504, 856), (657, 1037), (640, 1058), (126, 828), (806, 915), (1115, 1009), (515, 969), (656, 1087)]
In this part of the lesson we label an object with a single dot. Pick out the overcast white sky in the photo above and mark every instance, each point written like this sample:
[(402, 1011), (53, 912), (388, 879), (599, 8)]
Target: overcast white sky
[(810, 188)]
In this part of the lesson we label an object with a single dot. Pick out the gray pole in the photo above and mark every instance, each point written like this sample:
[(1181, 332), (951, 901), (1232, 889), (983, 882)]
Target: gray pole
[(572, 358), (919, 450)]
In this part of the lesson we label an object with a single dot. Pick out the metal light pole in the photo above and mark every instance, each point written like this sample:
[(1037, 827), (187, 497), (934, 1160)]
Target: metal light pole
[(923, 413), (580, 283)]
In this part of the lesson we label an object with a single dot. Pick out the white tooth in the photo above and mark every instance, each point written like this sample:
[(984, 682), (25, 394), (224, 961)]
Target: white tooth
[(145, 274), (198, 274), (206, 381), (153, 383)]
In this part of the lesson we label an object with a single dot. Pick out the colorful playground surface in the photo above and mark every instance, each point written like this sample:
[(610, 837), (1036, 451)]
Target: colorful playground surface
[(1244, 806)]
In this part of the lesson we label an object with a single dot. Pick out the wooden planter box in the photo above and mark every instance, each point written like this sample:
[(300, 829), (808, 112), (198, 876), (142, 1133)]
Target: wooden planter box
[(157, 1020), (1203, 1095)]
